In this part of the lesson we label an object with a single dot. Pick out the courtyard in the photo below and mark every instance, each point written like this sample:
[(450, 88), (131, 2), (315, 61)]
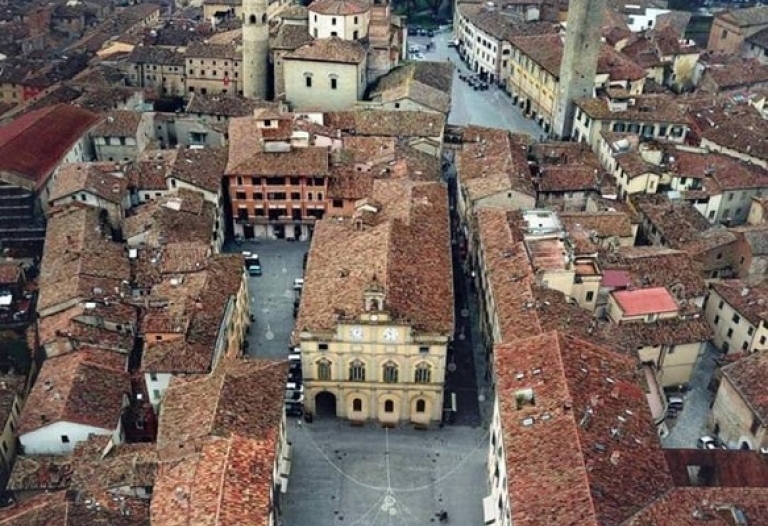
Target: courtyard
[(370, 476)]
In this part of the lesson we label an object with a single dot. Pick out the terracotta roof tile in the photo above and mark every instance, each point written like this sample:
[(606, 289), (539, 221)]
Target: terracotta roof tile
[(647, 108), (509, 273), (338, 7), (658, 266), (222, 404), (604, 224), (226, 106), (104, 180), (590, 428), (492, 161), (54, 508), (748, 377), (750, 302), (20, 140), (739, 128), (427, 83), (210, 50), (384, 123), (227, 482), (205, 305), (84, 387), (410, 227), (118, 124), (728, 173), (689, 506), (329, 50), (201, 168), (311, 161), (500, 26), (678, 222), (182, 217), (78, 263), (547, 52)]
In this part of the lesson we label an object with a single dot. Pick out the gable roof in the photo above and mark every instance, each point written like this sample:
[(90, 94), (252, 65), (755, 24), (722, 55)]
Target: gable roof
[(104, 180), (427, 83), (748, 377), (84, 387), (588, 436), (223, 404), (58, 127), (227, 482), (409, 228)]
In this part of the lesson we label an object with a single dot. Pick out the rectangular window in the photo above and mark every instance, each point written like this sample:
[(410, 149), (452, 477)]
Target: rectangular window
[(338, 203), (334, 83), (590, 295), (322, 346), (423, 349), (755, 425), (730, 332), (736, 318), (308, 81), (64, 439), (296, 196), (256, 181), (762, 340), (241, 196), (717, 320), (720, 305), (153, 377), (750, 331), (258, 196)]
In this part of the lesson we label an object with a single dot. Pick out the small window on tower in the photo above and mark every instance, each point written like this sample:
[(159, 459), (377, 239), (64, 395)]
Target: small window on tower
[(252, 19)]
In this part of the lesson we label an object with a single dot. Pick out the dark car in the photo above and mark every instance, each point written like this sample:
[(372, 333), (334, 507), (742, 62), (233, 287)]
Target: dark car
[(430, 33), (254, 269)]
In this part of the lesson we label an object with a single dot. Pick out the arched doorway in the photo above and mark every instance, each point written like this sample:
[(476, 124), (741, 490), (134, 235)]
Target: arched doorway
[(325, 404), (745, 446)]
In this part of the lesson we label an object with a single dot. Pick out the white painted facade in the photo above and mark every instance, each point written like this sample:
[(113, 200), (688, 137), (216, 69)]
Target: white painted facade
[(157, 384), (347, 27), (60, 438), (496, 506)]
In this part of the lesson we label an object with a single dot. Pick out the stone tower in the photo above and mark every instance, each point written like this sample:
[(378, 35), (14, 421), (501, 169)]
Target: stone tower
[(255, 48), (579, 65)]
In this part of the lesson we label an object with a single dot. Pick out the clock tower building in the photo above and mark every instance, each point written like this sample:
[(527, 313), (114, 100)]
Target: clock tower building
[(376, 312), (375, 367)]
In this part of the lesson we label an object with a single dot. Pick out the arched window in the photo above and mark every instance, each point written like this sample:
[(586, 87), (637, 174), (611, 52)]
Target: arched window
[(423, 373), (252, 19), (357, 371), (264, 18), (389, 373), (421, 406), (357, 405), (389, 406), (324, 370)]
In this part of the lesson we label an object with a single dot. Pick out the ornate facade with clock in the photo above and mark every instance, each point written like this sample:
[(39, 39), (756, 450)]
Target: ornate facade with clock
[(374, 338)]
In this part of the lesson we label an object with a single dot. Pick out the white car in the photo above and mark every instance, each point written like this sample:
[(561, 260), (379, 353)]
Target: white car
[(710, 442)]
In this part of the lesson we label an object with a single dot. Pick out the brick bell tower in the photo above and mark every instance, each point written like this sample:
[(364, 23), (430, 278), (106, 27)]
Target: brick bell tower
[(579, 66)]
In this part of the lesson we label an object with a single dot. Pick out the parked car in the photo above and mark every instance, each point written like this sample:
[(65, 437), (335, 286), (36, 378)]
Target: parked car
[(254, 269), (430, 33), (675, 402), (298, 283), (710, 442)]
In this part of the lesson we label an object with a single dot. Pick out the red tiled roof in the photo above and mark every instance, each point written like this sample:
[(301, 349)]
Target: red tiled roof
[(748, 378), (228, 482), (85, 387), (705, 507), (587, 438), (410, 227), (57, 127), (338, 7), (645, 301)]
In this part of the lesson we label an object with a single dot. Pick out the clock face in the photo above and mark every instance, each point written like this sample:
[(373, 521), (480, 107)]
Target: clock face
[(356, 333), (390, 334)]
